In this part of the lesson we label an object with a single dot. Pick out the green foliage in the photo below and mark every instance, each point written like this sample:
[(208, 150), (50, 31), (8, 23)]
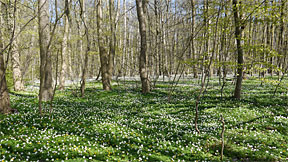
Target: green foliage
[(124, 125), (91, 53)]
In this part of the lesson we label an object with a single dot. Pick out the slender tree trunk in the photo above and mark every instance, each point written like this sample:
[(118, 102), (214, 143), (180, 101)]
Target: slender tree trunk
[(208, 39), (80, 47), (71, 72), (272, 28), (124, 57), (142, 17), (157, 43), (195, 74), (112, 43), (128, 41), (131, 63), (46, 89), (65, 55), (207, 42), (31, 53), (268, 32), (281, 35), (222, 52), (265, 42), (85, 66), (165, 52), (240, 57)]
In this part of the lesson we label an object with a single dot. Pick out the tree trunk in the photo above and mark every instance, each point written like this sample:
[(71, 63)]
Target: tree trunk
[(141, 13), (85, 66), (15, 56), (124, 57), (281, 36), (46, 89), (104, 56), (65, 55), (195, 74), (112, 44), (157, 40), (4, 95), (240, 57), (17, 74), (272, 29)]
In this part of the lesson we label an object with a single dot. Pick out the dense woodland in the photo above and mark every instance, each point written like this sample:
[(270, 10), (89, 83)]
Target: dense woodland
[(194, 65)]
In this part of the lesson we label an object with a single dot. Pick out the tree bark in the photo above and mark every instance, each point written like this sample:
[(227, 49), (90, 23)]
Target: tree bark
[(141, 13), (272, 29), (17, 74), (112, 43), (124, 57), (4, 95), (195, 73), (240, 57), (65, 55), (105, 60), (85, 66), (281, 37), (15, 55), (46, 89)]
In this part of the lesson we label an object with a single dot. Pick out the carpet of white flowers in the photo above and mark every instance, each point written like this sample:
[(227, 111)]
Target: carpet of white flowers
[(124, 125)]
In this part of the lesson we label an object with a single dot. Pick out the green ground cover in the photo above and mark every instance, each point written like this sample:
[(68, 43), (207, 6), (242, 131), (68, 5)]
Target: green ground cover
[(124, 125)]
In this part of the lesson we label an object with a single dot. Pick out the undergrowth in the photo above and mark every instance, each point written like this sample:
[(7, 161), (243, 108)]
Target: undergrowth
[(125, 125)]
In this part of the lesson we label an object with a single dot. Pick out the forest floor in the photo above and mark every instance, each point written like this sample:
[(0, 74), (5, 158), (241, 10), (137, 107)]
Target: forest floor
[(125, 125)]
